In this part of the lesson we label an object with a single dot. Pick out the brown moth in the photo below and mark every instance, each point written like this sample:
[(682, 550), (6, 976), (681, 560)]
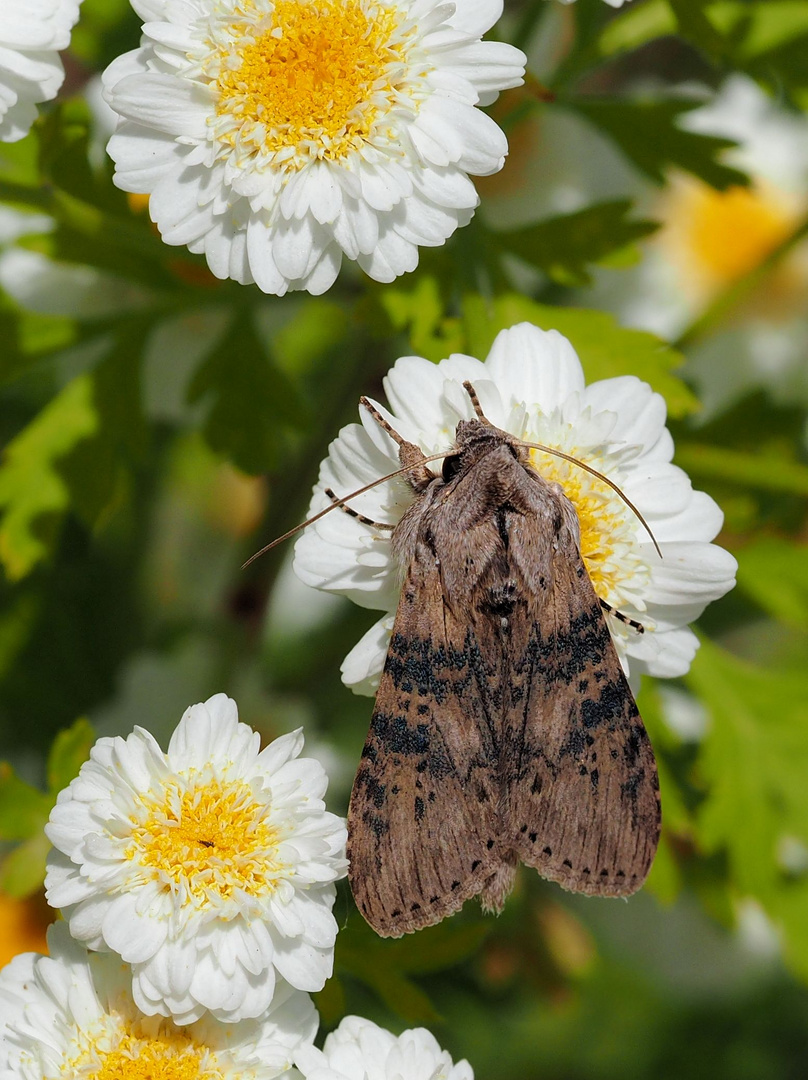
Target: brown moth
[(504, 729)]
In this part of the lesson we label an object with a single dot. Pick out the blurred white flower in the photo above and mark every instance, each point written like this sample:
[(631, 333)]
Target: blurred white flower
[(72, 1014), (208, 868), (278, 136), (532, 385), (31, 34), (360, 1050)]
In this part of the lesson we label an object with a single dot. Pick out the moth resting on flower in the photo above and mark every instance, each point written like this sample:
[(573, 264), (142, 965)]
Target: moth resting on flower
[(504, 726)]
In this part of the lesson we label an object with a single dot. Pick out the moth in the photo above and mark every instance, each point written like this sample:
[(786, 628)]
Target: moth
[(504, 729)]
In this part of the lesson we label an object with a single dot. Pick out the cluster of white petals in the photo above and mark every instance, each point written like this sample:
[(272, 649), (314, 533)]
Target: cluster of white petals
[(277, 136), (71, 1014), (359, 1050), (209, 868), (32, 32), (532, 385)]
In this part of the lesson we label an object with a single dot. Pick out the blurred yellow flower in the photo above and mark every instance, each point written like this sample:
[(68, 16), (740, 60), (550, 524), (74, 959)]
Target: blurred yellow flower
[(23, 924)]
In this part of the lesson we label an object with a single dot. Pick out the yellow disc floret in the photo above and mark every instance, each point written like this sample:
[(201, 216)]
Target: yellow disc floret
[(208, 838), (314, 83), (609, 545), (126, 1047)]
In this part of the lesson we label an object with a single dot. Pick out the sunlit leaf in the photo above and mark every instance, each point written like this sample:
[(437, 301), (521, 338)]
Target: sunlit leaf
[(23, 808), (752, 766), (32, 493), (22, 871), (69, 751)]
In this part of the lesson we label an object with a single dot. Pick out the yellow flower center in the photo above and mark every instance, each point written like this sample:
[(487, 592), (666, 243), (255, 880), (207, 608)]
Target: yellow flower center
[(723, 235), (314, 83), (208, 839), (608, 528), (173, 1057), (140, 1049)]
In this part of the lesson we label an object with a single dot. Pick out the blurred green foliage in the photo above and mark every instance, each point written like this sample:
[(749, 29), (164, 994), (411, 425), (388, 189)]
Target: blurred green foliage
[(160, 425)]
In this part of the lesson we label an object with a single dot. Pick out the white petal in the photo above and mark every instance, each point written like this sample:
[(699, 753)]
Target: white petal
[(537, 367)]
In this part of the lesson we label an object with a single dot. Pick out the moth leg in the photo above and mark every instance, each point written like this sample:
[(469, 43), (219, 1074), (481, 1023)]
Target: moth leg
[(359, 517), (408, 453), (623, 618)]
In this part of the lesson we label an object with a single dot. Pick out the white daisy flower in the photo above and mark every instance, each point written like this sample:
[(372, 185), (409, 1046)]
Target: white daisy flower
[(359, 1050), (31, 34), (209, 868), (72, 1014), (532, 385), (277, 136)]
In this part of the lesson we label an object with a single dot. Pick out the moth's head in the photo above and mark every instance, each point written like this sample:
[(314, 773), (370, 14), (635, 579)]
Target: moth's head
[(474, 440)]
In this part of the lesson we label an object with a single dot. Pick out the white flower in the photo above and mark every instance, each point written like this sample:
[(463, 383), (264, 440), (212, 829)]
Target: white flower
[(208, 868), (277, 136), (71, 1014), (31, 34), (359, 1050), (532, 385), (711, 239)]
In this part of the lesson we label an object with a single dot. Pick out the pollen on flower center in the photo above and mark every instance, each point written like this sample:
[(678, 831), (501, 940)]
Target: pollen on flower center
[(132, 1055), (608, 528), (209, 838), (314, 84)]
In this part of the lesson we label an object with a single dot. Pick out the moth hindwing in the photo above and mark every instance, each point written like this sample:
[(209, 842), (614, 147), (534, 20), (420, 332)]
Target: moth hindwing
[(504, 729)]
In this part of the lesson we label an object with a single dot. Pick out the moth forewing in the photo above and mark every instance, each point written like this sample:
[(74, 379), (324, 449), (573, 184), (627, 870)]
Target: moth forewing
[(504, 728)]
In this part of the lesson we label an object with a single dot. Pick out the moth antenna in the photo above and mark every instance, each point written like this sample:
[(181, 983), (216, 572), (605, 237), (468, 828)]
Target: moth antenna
[(600, 476), (475, 401), (380, 420), (336, 504)]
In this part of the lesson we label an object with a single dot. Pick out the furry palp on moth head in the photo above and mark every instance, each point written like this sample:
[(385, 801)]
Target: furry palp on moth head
[(504, 729)]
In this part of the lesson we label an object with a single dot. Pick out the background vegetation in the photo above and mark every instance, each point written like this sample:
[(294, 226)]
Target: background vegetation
[(161, 425)]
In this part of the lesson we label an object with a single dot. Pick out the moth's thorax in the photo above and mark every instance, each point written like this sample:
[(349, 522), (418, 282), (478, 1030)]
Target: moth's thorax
[(489, 496)]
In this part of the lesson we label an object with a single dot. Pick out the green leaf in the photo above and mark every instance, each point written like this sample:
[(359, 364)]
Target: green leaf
[(98, 470), (648, 134), (418, 308), (744, 764), (694, 25), (774, 572), (438, 947), (765, 470), (563, 247), (752, 766), (32, 492), (636, 25), (23, 808), (399, 993), (70, 749), (330, 1002), (250, 401), (770, 24), (22, 871), (605, 348)]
